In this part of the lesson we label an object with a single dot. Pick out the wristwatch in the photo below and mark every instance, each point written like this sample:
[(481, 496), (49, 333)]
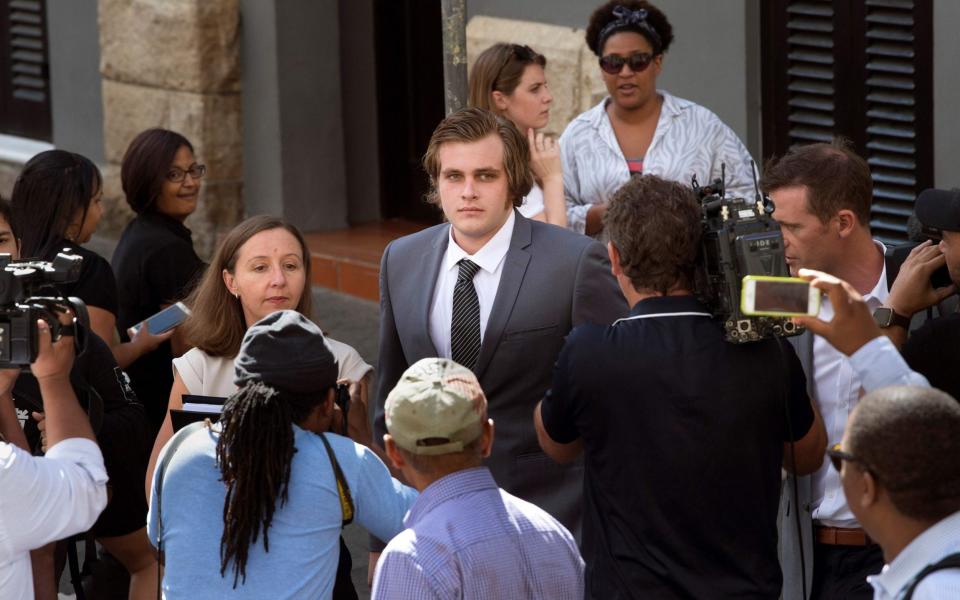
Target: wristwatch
[(885, 317)]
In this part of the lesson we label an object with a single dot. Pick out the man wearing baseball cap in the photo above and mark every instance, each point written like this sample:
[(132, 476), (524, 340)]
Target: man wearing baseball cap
[(465, 537), (932, 349)]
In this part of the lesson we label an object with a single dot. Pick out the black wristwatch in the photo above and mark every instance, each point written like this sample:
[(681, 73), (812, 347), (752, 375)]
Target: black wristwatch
[(885, 317)]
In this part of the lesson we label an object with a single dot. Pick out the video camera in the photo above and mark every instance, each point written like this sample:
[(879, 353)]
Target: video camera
[(28, 291), (740, 237)]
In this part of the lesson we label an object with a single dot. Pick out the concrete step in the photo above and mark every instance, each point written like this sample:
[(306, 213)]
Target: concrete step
[(348, 260)]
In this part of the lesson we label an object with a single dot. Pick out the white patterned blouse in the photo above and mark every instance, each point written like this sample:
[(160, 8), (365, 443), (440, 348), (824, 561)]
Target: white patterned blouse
[(689, 140)]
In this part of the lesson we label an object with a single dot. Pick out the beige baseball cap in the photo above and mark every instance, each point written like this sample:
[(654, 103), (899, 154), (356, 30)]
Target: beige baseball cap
[(437, 407)]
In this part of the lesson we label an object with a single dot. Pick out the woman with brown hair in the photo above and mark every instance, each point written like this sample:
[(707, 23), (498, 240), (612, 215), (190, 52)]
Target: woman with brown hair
[(260, 267), (154, 262), (508, 79)]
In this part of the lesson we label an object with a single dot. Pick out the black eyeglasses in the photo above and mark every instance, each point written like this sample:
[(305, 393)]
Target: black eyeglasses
[(176, 174), (837, 456), (638, 62)]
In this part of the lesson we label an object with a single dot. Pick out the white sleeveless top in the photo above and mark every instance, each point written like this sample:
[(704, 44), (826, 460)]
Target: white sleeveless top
[(206, 375), (532, 203)]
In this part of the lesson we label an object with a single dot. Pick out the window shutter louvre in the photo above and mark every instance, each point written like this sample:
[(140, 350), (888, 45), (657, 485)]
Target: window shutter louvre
[(810, 88), (25, 102), (861, 69), (893, 92)]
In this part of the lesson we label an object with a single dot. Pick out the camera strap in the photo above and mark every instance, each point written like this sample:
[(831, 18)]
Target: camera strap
[(343, 489), (174, 445), (951, 561)]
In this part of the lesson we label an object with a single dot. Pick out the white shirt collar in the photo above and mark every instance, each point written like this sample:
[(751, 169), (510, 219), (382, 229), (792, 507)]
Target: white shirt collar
[(881, 290), (490, 255), (926, 549)]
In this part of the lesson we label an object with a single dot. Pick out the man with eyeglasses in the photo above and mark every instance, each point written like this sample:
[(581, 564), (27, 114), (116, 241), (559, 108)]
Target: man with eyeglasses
[(901, 477)]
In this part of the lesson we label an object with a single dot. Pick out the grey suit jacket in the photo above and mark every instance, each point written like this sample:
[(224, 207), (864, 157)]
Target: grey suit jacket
[(790, 541), (552, 280)]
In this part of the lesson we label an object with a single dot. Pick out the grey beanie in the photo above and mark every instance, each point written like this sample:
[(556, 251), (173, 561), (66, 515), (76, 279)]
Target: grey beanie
[(287, 352)]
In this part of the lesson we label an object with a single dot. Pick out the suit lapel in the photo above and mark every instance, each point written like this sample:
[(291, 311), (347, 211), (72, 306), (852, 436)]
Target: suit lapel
[(514, 267), (423, 300)]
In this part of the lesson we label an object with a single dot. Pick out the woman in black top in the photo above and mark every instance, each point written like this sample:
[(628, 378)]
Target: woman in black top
[(56, 205), (154, 262)]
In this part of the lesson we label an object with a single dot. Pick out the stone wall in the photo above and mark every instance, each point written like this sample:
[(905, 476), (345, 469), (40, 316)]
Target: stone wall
[(175, 64), (572, 73)]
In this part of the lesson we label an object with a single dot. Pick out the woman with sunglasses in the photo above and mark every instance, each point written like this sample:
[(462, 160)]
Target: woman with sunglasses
[(508, 79), (155, 262), (638, 128)]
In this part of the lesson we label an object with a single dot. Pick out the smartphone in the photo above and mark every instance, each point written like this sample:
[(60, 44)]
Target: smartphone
[(165, 320), (778, 297)]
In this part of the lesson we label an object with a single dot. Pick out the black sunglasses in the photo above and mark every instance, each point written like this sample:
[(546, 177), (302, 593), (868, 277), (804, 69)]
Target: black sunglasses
[(638, 62)]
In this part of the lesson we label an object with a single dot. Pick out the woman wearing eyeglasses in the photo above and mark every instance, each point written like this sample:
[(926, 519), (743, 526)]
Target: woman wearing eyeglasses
[(639, 128), (154, 262), (508, 79)]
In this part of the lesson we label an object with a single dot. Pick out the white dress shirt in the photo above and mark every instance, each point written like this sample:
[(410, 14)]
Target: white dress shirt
[(838, 391), (42, 500), (689, 140), (486, 281), (926, 549)]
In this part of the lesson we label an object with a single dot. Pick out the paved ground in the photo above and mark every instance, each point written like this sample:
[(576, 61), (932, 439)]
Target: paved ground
[(344, 318)]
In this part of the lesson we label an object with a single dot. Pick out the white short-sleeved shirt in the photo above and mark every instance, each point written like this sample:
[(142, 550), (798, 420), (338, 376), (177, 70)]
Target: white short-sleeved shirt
[(45, 499), (206, 375)]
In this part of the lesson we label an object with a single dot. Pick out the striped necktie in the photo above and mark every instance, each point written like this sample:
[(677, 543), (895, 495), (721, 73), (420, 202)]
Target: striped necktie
[(465, 324)]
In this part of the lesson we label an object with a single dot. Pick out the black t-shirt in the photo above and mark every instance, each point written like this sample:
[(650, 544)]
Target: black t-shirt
[(933, 350), (683, 438), (155, 265), (102, 390), (96, 285)]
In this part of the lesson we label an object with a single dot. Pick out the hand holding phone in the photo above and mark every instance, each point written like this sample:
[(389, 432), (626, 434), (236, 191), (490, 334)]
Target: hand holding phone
[(778, 297), (163, 321)]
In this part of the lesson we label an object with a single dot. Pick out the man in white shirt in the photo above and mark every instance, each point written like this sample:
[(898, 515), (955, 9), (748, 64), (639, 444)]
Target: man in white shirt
[(495, 292), (49, 498), (900, 473), (822, 194)]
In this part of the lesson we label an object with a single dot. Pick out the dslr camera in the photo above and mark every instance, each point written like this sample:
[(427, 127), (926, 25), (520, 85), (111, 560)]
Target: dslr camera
[(740, 237), (29, 291)]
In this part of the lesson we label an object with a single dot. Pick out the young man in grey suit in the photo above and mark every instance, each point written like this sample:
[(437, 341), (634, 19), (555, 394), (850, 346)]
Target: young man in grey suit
[(495, 292)]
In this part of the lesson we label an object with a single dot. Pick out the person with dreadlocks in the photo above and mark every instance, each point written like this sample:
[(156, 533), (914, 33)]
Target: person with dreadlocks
[(260, 497)]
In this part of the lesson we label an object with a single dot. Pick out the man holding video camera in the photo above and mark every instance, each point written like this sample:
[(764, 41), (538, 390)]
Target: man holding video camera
[(62, 493), (683, 433), (932, 348)]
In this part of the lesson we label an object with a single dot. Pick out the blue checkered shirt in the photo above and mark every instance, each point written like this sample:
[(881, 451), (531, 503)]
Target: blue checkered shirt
[(467, 538)]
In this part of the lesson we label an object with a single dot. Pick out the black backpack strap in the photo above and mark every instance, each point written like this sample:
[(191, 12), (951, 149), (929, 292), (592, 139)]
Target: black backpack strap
[(174, 444), (343, 489), (951, 561)]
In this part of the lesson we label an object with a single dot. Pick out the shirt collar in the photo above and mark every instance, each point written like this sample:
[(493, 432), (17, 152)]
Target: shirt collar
[(487, 258), (926, 549), (449, 487), (167, 222), (880, 291), (668, 304)]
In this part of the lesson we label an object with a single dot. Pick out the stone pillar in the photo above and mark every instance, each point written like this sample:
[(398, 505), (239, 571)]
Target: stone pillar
[(175, 64)]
